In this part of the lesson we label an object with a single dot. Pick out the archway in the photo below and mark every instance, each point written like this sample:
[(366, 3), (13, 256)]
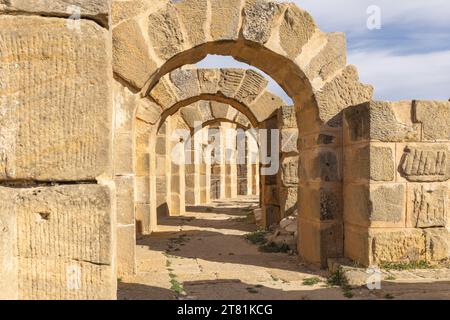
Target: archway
[(284, 42)]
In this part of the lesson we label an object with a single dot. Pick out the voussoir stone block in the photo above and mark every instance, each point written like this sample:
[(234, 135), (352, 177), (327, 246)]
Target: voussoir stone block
[(58, 129), (193, 15), (97, 10), (64, 241), (165, 32), (148, 111), (299, 25), (330, 59), (229, 11), (131, 59), (265, 105), (259, 19), (343, 91)]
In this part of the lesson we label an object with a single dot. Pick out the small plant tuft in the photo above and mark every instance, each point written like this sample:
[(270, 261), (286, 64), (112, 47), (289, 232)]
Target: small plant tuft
[(311, 281), (402, 266), (257, 237)]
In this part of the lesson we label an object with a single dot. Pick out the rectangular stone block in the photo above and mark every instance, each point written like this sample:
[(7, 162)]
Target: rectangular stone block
[(64, 242), (142, 219), (126, 250), (270, 215), (142, 191), (270, 195), (435, 118), (289, 171), (438, 244), (320, 204), (374, 162), (377, 205), (423, 162), (287, 117), (356, 244), (288, 201), (9, 288), (142, 164), (428, 205), (55, 115), (289, 140), (125, 199), (97, 10), (123, 154), (398, 245), (380, 121), (324, 240)]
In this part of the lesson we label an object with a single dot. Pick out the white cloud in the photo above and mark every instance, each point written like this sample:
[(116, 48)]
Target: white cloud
[(351, 16), (417, 76), (409, 58)]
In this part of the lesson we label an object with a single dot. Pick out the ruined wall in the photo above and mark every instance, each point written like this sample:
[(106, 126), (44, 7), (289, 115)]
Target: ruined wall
[(396, 181)]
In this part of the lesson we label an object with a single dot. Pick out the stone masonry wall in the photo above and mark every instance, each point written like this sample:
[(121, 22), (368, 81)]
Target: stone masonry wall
[(57, 211), (396, 181)]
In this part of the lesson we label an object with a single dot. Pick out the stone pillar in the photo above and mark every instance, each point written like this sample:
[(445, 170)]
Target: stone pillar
[(231, 160), (269, 189), (176, 157), (224, 182), (142, 179), (252, 161), (288, 173), (205, 169), (162, 169), (319, 187), (193, 169), (396, 181)]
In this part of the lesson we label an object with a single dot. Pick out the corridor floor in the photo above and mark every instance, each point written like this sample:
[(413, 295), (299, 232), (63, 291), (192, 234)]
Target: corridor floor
[(205, 255)]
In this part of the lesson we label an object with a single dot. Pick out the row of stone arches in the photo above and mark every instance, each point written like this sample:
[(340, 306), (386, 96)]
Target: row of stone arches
[(75, 99)]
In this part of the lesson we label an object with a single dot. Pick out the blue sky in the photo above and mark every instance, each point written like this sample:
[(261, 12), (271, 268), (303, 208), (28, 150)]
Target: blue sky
[(408, 58)]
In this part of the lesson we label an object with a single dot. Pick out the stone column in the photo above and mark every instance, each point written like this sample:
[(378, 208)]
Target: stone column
[(177, 171), (193, 169), (142, 180), (205, 169), (224, 182), (288, 173)]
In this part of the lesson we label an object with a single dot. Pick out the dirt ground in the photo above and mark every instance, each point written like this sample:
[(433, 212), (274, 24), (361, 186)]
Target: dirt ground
[(205, 255)]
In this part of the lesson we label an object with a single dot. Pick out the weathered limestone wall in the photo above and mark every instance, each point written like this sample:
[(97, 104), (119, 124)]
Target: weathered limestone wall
[(396, 181), (288, 172), (269, 199), (57, 241)]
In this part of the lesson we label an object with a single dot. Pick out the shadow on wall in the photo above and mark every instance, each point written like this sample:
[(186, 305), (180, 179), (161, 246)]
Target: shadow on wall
[(234, 289)]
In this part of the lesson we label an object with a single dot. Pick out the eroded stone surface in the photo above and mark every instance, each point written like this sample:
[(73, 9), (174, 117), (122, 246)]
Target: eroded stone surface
[(64, 239), (45, 63), (97, 10)]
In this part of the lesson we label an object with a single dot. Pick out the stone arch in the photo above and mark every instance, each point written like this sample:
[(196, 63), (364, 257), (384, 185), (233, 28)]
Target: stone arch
[(279, 38), (283, 41)]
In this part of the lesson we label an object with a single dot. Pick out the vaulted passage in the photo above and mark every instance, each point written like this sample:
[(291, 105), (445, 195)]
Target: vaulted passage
[(99, 118)]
